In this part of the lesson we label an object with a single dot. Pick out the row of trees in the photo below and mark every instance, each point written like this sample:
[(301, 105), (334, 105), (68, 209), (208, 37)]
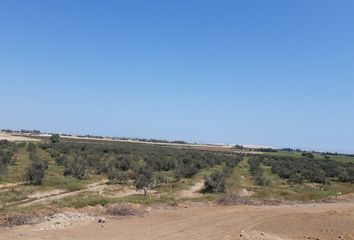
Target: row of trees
[(145, 165), (7, 152), (298, 170), (216, 181), (37, 167), (257, 172)]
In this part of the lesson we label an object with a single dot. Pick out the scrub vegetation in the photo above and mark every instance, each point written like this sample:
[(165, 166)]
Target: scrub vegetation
[(107, 172)]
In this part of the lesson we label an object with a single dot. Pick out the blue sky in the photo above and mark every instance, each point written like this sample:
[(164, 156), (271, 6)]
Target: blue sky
[(278, 73)]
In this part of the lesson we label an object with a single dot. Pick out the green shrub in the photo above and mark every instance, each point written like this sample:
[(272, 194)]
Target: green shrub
[(76, 167), (55, 138), (215, 182), (144, 179), (36, 171)]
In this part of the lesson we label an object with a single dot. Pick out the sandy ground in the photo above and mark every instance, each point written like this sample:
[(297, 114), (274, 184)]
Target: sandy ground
[(9, 185), (98, 187), (12, 138), (45, 197), (192, 192), (319, 221)]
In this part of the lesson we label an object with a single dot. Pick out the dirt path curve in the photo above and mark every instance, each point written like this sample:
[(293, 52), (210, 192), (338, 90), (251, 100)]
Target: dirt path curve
[(43, 197), (98, 187), (192, 192), (320, 221)]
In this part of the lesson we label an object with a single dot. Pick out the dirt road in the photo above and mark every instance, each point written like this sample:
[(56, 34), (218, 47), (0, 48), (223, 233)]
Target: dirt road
[(319, 221)]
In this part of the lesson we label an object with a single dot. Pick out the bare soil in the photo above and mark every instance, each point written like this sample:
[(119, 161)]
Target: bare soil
[(192, 192), (45, 197), (13, 138), (306, 221)]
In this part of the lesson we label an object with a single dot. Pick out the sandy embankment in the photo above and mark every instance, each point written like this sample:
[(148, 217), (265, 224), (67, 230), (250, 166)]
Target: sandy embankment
[(307, 221)]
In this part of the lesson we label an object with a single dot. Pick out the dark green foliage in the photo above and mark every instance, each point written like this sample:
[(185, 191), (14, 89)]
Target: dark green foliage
[(7, 151), (346, 175), (37, 168), (215, 182), (55, 138), (60, 159), (299, 170), (76, 166), (144, 179), (101, 158), (308, 155), (117, 169), (185, 171), (261, 180), (122, 163), (330, 167), (31, 147), (160, 163), (231, 163), (117, 175), (257, 172), (297, 178)]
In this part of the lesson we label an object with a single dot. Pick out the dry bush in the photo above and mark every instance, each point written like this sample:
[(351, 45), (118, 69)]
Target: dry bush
[(234, 199), (123, 210)]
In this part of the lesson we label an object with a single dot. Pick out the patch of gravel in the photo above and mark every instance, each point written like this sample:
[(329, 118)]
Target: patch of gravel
[(254, 235), (65, 219)]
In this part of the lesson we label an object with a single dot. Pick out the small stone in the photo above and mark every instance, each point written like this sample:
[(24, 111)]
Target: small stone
[(102, 220)]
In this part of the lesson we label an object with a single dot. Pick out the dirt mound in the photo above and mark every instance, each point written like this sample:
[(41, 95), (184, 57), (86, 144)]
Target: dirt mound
[(245, 193)]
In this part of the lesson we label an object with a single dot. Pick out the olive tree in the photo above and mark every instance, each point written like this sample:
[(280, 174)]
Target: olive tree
[(144, 179)]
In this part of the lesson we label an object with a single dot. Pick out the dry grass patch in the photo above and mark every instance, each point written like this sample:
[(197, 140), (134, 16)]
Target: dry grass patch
[(235, 199), (123, 209)]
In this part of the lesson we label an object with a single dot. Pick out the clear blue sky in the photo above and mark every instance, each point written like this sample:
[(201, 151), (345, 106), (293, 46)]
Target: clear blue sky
[(278, 73)]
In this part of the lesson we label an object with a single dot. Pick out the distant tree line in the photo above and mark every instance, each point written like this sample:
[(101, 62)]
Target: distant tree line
[(22, 131)]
